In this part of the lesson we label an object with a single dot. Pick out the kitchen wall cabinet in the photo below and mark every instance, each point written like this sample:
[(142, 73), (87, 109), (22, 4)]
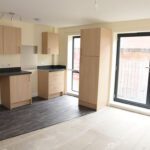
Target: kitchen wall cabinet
[(1, 40), (50, 43), (16, 91), (51, 84), (95, 67), (18, 40), (12, 40)]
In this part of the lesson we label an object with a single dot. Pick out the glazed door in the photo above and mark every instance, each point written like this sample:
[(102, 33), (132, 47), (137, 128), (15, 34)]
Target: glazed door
[(132, 83)]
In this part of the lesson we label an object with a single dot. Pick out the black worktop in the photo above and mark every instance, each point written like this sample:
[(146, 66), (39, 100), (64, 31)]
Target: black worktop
[(12, 71), (52, 68)]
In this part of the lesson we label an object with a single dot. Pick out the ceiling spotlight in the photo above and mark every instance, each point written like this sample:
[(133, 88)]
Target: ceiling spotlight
[(37, 19), (12, 14)]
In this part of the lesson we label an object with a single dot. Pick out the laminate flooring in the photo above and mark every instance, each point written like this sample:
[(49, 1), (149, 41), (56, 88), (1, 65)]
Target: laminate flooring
[(41, 114), (107, 129)]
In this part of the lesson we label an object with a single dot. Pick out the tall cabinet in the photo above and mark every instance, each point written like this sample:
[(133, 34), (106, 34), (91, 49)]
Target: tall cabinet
[(95, 67), (1, 40)]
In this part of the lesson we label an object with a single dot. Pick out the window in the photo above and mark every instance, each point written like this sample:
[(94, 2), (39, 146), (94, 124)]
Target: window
[(132, 82), (73, 64)]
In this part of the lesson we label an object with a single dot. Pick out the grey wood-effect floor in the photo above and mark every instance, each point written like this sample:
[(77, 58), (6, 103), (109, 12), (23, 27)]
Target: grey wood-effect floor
[(41, 114)]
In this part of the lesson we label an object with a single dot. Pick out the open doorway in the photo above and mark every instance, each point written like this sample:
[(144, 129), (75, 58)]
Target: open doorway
[(73, 64)]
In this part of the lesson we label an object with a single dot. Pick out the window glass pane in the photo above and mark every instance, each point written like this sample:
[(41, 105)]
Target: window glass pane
[(75, 82), (134, 68), (76, 54)]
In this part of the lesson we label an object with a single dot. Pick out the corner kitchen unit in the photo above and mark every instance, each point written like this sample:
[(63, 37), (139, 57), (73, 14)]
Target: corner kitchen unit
[(15, 87)]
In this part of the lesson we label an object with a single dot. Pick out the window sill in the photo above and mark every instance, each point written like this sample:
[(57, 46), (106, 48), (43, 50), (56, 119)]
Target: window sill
[(131, 108)]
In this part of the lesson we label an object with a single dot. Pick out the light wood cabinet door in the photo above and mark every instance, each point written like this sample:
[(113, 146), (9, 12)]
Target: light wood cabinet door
[(50, 43), (50, 83), (89, 68), (43, 83), (56, 82), (12, 40), (18, 40), (1, 40), (20, 88), (90, 42), (53, 43)]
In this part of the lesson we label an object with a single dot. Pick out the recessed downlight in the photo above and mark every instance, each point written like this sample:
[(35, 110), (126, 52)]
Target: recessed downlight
[(11, 13), (36, 19)]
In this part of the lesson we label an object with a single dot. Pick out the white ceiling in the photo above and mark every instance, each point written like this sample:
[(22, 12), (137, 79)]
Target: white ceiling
[(77, 12)]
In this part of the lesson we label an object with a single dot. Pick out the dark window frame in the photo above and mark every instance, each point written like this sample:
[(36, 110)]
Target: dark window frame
[(119, 36)]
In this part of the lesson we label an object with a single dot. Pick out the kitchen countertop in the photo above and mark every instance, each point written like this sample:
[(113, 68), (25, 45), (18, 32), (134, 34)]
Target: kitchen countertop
[(52, 68), (12, 71)]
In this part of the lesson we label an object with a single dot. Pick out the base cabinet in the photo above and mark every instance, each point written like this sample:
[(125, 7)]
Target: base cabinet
[(51, 84), (16, 91)]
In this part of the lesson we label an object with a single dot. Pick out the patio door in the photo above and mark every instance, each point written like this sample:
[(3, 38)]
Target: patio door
[(132, 83)]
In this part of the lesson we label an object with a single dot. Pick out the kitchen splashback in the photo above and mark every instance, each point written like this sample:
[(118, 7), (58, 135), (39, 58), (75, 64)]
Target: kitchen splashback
[(29, 57)]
